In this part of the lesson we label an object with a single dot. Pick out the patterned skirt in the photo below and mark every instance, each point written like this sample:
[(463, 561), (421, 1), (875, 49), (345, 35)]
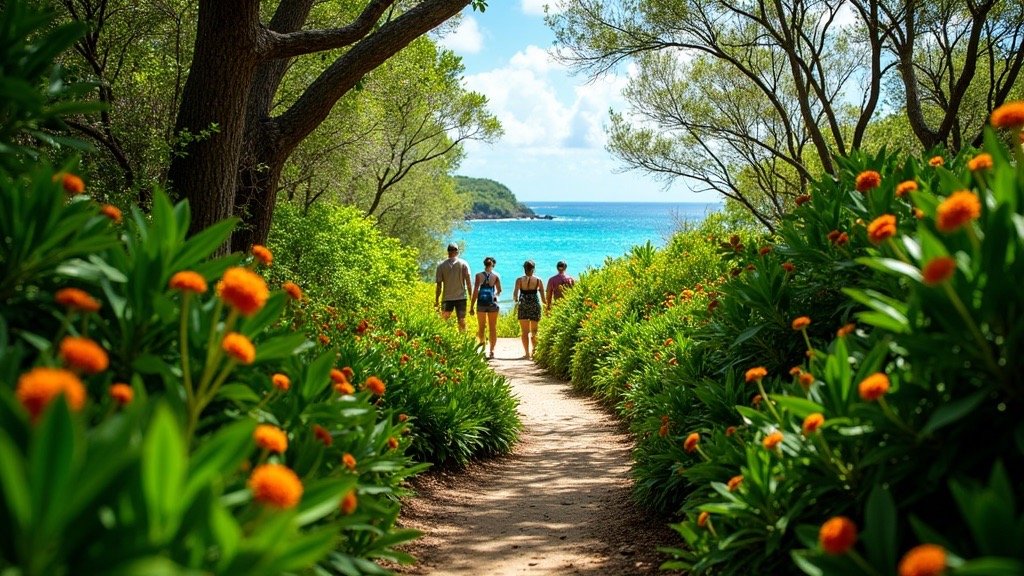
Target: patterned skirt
[(529, 307)]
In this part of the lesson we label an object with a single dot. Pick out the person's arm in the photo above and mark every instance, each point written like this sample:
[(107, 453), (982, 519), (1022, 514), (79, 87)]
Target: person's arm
[(515, 292), (466, 280), (497, 287), (437, 288), (540, 286), (476, 291), (548, 300)]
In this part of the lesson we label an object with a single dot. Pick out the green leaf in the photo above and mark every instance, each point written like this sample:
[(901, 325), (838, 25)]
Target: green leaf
[(891, 266), (880, 528), (321, 498), (280, 347), (317, 375), (163, 474), (991, 567), (270, 312), (951, 412), (799, 407), (238, 393), (202, 244), (53, 458), (218, 456), (14, 483)]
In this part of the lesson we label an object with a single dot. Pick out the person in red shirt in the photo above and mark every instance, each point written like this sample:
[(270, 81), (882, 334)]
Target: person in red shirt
[(558, 283)]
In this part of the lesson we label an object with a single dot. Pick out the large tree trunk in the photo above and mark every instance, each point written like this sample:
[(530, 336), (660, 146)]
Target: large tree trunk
[(233, 152)]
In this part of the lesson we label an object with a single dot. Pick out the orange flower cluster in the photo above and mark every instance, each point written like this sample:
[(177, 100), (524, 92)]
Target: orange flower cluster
[(72, 184), (348, 372), (802, 199), (938, 270), (349, 461), (923, 560), (349, 503), (122, 394), (812, 423), (392, 443), (960, 208), (239, 347), (39, 386), (772, 440), (905, 187), (838, 238), (293, 290), (244, 290), (270, 438), (375, 385), (756, 374), (873, 387), (691, 442), (806, 379), (1009, 115), (789, 267), (801, 322), (76, 299), (734, 482), (982, 161), (262, 254), (322, 435), (764, 250), (337, 376), (881, 228), (837, 535), (936, 161), (112, 212), (84, 355), (345, 388), (867, 180), (702, 519), (281, 382), (846, 330), (188, 281), (276, 486), (730, 431)]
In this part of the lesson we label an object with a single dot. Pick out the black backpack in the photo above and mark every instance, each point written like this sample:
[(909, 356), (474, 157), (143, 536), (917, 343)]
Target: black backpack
[(485, 297)]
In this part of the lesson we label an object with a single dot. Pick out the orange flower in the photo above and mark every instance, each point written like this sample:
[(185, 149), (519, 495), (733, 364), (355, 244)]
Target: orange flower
[(960, 208), (349, 461), (756, 400), (403, 417), (801, 322), (244, 290), (806, 379), (756, 374), (392, 443), (772, 440), (349, 503), (874, 387), (112, 212), (281, 382), (690, 444), (348, 372), (375, 385), (789, 267), (702, 520), (188, 281), (735, 482), (982, 161), (905, 187), (918, 213), (833, 236), (84, 355), (923, 560), (39, 386), (344, 388), (262, 254), (276, 486), (270, 438), (868, 180), (796, 371), (122, 394), (764, 250), (813, 422), (324, 339), (843, 239), (881, 228), (337, 376), (1009, 115), (837, 535), (802, 199), (322, 435), (72, 184), (938, 270), (293, 290), (239, 347), (663, 430), (846, 330), (75, 299), (936, 161)]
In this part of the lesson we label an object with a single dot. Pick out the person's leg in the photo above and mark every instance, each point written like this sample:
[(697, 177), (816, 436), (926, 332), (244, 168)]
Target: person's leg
[(492, 323), (533, 335), (524, 335), (481, 322), (446, 310), (460, 313)]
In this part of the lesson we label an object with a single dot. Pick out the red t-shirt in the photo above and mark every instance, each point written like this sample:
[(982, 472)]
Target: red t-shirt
[(556, 282)]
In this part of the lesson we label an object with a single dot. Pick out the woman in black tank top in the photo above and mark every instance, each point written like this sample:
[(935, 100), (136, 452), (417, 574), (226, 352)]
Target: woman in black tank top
[(528, 293)]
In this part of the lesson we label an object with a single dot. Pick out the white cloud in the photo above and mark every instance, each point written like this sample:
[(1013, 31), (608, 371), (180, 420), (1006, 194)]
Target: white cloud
[(466, 38), (536, 7)]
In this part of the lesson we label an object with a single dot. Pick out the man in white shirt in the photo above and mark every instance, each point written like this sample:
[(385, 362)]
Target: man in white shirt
[(453, 280)]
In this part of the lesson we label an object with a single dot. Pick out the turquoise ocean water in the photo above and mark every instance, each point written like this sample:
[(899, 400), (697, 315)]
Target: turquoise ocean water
[(582, 233)]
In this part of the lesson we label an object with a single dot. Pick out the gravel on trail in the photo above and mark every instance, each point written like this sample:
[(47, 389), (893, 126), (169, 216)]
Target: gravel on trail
[(560, 504)]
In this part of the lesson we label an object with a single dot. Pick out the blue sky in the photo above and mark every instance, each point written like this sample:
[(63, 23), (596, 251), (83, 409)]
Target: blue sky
[(554, 142)]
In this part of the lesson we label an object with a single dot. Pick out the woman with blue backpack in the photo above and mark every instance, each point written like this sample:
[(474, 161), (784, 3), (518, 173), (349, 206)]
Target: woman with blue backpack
[(486, 289)]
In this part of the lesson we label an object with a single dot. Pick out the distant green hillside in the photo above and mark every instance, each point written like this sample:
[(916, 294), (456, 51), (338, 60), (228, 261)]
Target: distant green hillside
[(491, 199)]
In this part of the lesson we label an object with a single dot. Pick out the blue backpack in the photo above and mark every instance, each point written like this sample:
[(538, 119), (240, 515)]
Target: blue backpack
[(485, 297)]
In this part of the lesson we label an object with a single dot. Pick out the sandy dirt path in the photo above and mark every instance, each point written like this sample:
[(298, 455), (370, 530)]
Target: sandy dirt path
[(559, 505)]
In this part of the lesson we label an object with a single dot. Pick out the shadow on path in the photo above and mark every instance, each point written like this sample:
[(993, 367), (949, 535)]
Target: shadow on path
[(560, 504)]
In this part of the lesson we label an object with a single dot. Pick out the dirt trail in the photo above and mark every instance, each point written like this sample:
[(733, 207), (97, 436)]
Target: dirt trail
[(559, 505)]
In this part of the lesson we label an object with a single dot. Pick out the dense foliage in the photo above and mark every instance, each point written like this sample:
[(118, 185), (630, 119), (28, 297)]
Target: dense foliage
[(836, 380), (490, 199)]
